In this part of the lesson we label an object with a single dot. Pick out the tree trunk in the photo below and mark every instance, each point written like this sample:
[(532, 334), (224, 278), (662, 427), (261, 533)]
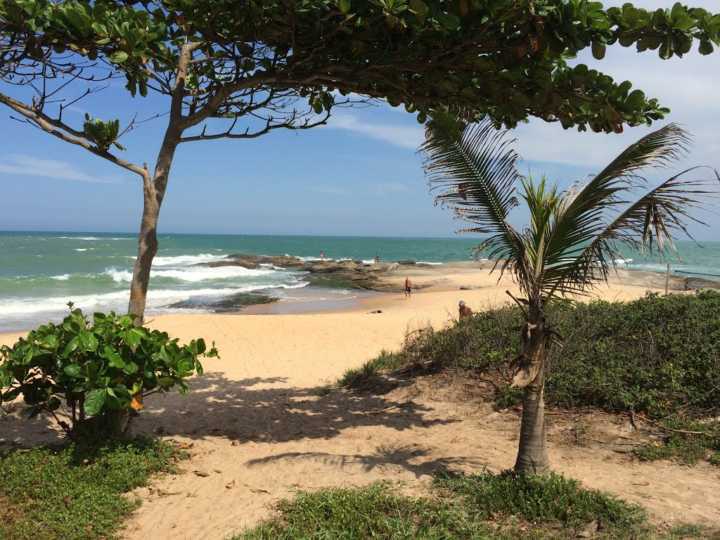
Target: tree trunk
[(153, 194), (532, 455)]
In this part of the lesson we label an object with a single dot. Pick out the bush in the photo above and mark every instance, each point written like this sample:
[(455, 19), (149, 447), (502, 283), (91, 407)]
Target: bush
[(659, 355), (90, 376)]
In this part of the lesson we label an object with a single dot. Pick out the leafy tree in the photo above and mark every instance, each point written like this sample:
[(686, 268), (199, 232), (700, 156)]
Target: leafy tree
[(91, 375), (571, 241), (280, 64)]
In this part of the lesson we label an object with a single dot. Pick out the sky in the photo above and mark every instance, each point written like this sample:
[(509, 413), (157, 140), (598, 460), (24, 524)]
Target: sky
[(360, 175)]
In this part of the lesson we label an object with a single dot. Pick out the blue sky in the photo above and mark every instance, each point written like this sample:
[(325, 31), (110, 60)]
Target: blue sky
[(361, 175)]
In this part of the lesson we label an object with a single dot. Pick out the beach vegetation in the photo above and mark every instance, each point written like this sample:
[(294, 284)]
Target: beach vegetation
[(219, 69), (79, 491), (487, 506), (656, 359), (92, 375), (572, 239)]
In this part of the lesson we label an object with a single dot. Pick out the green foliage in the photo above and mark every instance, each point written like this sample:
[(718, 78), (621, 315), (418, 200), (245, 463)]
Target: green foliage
[(486, 506), (685, 441), (364, 376), (544, 499), (77, 492), (103, 134), (508, 59), (659, 355), (98, 369)]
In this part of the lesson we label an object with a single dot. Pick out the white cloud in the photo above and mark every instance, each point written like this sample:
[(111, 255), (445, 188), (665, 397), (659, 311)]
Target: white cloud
[(403, 136), (24, 165)]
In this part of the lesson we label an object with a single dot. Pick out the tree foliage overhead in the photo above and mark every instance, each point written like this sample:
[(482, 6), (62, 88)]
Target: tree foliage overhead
[(503, 58)]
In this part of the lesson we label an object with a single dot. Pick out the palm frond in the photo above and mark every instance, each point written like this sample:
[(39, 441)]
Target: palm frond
[(648, 224), (584, 213), (473, 169)]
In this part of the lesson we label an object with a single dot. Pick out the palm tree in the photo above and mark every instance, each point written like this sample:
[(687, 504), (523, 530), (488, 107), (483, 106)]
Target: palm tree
[(572, 238)]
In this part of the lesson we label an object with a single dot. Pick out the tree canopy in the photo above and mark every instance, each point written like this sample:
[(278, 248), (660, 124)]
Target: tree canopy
[(506, 59)]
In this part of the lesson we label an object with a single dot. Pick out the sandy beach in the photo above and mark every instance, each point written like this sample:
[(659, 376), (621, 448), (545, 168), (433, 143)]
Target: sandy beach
[(259, 428)]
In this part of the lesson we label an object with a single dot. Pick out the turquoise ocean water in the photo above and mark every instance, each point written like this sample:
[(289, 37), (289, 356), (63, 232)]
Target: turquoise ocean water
[(41, 272)]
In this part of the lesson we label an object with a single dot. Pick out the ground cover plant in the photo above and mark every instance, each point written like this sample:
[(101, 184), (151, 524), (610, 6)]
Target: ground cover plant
[(78, 491), (483, 506), (656, 358), (91, 375)]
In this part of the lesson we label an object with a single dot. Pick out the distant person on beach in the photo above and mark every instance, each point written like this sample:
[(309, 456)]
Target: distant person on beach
[(464, 311), (322, 255), (408, 287), (376, 260)]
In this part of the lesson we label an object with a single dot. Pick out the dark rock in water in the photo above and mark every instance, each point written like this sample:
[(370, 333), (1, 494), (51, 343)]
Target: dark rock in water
[(254, 261), (407, 263), (321, 273), (227, 304)]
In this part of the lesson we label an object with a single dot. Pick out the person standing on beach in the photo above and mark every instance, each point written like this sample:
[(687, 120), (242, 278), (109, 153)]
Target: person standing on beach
[(464, 311), (408, 287)]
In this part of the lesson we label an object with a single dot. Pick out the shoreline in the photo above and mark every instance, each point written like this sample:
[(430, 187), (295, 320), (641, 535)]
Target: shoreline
[(465, 280), (461, 277)]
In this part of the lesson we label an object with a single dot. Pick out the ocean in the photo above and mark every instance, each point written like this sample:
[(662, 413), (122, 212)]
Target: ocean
[(41, 272)]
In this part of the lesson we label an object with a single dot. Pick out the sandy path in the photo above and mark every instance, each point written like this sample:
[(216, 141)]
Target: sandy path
[(258, 429)]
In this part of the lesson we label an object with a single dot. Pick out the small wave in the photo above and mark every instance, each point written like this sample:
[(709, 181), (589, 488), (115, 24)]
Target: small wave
[(623, 261), (186, 260), (93, 238), (157, 299), (193, 274), (82, 249), (430, 263), (61, 277)]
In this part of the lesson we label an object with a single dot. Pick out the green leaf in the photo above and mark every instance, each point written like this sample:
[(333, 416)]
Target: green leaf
[(88, 341), (119, 57), (598, 50), (706, 47), (113, 357), (94, 401), (73, 370), (344, 6), (71, 347)]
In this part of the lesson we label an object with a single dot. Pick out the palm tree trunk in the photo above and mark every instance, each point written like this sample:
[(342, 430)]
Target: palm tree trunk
[(532, 455)]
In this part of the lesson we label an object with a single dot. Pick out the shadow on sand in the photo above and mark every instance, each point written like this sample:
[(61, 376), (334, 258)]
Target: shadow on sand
[(247, 410)]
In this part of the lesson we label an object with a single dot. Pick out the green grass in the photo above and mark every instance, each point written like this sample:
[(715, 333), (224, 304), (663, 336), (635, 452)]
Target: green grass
[(479, 507), (550, 500), (75, 492), (367, 374)]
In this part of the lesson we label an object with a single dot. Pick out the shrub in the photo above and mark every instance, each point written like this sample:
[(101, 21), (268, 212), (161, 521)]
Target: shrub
[(658, 355), (91, 375)]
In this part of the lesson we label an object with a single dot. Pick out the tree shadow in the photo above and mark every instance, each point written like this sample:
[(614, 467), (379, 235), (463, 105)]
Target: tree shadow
[(242, 410), (19, 431), (410, 457)]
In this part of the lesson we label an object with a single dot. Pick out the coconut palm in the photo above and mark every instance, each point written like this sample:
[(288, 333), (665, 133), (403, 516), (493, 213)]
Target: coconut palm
[(572, 239)]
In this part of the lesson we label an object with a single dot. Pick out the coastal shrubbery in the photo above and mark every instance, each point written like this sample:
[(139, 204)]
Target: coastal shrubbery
[(92, 375), (658, 356)]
